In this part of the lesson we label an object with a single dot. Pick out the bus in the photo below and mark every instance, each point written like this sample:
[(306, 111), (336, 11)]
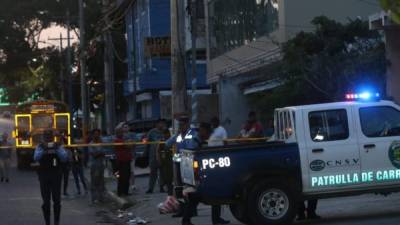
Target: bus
[(32, 119)]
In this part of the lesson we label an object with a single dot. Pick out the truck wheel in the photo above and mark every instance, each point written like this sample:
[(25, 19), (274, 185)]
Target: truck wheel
[(239, 211), (272, 203)]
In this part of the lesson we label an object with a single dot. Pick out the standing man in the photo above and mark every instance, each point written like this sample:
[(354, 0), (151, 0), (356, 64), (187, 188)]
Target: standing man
[(65, 166), (5, 158), (218, 135), (96, 164), (193, 198), (124, 157), (252, 128), (184, 137), (50, 155), (156, 134), (77, 170)]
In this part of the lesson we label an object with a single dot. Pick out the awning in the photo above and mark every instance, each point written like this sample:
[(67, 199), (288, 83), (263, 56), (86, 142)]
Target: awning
[(262, 86), (144, 97)]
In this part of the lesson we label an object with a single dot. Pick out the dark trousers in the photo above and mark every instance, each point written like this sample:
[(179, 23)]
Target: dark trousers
[(65, 174), (311, 207), (77, 171), (50, 188), (124, 169), (190, 207)]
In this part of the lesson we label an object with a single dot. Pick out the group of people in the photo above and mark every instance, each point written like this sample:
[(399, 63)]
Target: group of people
[(56, 161)]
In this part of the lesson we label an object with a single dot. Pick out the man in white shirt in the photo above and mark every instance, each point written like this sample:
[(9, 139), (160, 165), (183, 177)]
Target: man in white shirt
[(218, 135)]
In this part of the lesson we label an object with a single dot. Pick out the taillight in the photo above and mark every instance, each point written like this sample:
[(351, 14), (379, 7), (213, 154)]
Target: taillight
[(196, 170)]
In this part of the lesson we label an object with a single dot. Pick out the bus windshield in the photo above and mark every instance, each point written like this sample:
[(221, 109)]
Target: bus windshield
[(42, 122)]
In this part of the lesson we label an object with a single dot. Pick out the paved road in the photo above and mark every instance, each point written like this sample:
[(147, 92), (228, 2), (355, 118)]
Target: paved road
[(365, 209), (20, 204)]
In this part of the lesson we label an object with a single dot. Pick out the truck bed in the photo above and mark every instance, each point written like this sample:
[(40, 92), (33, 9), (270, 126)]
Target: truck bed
[(225, 171)]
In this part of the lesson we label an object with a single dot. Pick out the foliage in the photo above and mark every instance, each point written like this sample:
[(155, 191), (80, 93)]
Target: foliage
[(20, 25), (394, 7), (324, 65)]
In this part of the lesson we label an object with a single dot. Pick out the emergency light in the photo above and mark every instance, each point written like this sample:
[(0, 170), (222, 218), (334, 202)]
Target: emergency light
[(363, 96)]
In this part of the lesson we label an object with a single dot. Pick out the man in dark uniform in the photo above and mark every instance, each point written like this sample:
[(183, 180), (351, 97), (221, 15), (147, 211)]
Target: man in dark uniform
[(49, 155), (193, 198)]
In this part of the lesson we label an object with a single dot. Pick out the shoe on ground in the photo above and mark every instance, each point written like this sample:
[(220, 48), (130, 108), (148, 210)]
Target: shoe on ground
[(7, 180), (221, 222), (149, 192), (162, 190), (187, 223), (2, 179), (313, 216), (301, 217)]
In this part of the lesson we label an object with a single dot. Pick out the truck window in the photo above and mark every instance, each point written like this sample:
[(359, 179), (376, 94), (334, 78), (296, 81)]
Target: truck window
[(380, 121), (330, 125)]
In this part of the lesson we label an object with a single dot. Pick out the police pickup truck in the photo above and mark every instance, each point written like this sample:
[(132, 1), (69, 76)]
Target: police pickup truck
[(317, 151)]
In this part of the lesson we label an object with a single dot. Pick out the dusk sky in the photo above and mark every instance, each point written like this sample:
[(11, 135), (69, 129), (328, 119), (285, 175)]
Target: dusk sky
[(54, 32)]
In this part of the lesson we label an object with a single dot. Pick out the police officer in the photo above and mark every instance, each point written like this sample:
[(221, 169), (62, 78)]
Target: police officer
[(193, 197), (182, 140), (49, 155), (184, 137)]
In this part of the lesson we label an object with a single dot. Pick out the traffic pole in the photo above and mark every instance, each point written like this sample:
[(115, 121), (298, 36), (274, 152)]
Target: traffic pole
[(82, 59)]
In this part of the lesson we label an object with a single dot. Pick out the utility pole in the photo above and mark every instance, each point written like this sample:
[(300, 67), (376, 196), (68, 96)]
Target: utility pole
[(109, 82), (194, 62), (62, 83), (62, 77), (178, 72), (69, 68), (109, 75), (82, 56)]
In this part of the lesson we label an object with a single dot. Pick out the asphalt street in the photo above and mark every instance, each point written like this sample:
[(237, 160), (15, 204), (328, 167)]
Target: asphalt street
[(20, 203)]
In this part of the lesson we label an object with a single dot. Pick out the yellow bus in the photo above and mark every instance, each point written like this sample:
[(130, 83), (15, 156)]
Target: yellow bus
[(31, 119)]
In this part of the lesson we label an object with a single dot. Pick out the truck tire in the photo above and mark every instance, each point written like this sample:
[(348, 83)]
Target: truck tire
[(239, 211), (271, 203)]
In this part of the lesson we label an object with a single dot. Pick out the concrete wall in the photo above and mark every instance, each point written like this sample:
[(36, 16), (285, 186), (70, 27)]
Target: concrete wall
[(393, 69), (233, 105)]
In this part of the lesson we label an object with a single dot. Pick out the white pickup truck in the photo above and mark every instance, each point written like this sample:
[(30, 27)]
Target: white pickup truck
[(318, 151)]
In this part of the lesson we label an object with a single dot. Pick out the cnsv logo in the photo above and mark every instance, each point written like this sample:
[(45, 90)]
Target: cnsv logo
[(318, 165)]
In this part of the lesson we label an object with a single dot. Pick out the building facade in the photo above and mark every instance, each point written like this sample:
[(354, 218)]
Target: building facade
[(244, 38), (148, 26), (382, 21)]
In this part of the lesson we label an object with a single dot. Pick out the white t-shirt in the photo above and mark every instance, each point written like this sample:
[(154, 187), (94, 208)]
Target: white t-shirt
[(217, 137)]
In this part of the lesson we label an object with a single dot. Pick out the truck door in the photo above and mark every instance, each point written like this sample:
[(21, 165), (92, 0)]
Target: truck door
[(379, 138), (332, 150), (62, 125), (23, 129)]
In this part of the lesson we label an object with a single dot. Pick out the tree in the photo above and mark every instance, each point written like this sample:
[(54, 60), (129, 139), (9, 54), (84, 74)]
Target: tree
[(20, 25), (394, 7), (324, 65)]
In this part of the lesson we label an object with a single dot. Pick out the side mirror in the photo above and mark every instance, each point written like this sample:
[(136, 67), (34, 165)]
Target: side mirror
[(14, 134)]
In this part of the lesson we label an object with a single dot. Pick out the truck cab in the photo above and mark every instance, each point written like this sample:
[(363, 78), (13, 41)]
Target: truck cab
[(317, 151)]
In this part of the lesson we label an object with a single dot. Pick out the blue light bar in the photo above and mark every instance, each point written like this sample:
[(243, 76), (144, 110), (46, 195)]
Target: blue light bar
[(364, 96)]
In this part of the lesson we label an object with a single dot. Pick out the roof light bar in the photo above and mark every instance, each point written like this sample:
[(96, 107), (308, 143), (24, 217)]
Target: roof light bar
[(364, 96)]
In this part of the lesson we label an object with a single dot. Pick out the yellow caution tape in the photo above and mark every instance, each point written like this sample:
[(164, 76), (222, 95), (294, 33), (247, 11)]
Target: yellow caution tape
[(133, 143)]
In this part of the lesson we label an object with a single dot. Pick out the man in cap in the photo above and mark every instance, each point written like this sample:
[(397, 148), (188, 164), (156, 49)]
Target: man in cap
[(49, 155), (184, 137)]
